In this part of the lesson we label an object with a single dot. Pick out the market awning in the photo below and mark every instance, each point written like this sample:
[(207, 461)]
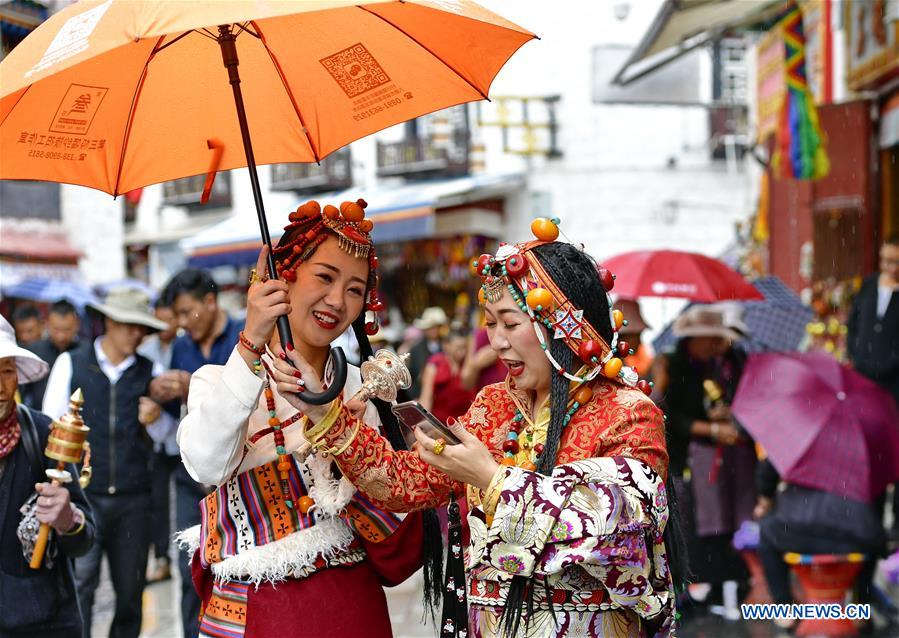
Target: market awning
[(683, 25), (401, 213), (23, 246)]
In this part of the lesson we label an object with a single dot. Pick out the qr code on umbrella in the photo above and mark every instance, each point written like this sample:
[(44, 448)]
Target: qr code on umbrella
[(355, 70)]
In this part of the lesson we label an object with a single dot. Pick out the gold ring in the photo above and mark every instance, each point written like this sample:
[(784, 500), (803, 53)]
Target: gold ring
[(254, 277), (439, 446)]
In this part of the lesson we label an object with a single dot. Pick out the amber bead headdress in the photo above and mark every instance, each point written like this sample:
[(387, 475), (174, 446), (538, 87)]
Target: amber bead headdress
[(516, 269), (308, 228)]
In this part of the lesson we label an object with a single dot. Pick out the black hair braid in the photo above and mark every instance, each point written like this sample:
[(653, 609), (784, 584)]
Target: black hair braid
[(676, 542), (558, 403), (515, 606), (432, 537)]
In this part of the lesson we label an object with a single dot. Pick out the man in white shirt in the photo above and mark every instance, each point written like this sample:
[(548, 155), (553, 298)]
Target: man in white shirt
[(157, 348), (873, 332), (115, 381)]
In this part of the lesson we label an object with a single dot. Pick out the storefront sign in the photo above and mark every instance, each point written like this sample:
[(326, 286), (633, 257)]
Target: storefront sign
[(872, 43)]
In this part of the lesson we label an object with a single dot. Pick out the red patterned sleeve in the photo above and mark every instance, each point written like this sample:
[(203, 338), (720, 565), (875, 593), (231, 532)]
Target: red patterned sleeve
[(637, 431), (398, 481)]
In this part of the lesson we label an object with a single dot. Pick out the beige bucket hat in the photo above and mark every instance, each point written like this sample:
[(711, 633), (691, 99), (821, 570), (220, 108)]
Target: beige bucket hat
[(432, 317), (704, 321), (129, 305)]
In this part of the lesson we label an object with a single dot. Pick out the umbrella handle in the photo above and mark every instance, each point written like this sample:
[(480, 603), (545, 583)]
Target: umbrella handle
[(336, 387)]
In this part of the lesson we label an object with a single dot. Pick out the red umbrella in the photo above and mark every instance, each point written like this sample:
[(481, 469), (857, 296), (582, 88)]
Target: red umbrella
[(823, 425), (674, 273)]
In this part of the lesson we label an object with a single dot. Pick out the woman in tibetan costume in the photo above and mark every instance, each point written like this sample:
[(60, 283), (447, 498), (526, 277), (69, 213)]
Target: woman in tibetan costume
[(563, 465), (285, 541)]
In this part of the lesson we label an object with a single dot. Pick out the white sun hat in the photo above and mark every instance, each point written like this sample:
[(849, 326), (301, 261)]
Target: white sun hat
[(30, 367)]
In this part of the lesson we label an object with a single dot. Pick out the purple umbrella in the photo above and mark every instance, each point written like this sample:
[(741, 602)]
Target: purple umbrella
[(823, 425)]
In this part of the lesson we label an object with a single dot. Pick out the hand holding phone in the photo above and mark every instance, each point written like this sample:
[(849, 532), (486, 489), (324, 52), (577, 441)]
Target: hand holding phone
[(412, 415)]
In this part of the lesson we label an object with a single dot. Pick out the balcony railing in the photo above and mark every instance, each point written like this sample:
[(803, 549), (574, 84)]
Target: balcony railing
[(334, 173), (435, 145), (189, 190), (420, 157)]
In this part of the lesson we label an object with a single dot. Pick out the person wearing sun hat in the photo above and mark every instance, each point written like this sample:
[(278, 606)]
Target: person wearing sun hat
[(115, 380), (432, 322), (712, 458), (33, 602)]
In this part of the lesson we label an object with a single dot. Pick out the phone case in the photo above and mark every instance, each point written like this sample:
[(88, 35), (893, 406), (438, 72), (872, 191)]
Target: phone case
[(411, 414)]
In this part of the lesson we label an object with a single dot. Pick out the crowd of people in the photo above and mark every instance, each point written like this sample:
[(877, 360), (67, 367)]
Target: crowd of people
[(285, 500)]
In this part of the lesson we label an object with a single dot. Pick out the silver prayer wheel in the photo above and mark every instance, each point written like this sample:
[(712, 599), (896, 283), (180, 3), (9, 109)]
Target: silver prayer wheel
[(383, 375)]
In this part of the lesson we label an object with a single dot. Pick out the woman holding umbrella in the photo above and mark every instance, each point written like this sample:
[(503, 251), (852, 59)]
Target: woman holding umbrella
[(281, 521), (563, 465), (712, 460)]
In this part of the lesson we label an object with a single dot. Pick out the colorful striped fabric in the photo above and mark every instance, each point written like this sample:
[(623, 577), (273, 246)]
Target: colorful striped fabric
[(249, 511), (793, 558), (225, 615), (799, 151), (368, 521)]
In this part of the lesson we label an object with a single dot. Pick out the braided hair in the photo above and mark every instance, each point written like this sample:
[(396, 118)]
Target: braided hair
[(432, 545), (574, 272)]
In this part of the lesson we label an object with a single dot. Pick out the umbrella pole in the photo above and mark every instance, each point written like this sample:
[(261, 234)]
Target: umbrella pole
[(230, 60)]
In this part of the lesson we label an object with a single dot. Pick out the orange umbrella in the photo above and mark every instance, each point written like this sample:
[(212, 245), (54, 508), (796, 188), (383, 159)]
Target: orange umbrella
[(119, 94)]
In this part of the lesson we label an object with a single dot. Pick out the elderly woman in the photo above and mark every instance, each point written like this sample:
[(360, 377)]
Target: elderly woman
[(563, 464), (712, 458)]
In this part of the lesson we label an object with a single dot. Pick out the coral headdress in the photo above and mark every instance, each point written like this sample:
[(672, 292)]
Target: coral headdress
[(308, 228), (516, 269)]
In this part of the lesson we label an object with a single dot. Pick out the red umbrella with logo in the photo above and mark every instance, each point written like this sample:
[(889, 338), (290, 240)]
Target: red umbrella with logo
[(674, 273)]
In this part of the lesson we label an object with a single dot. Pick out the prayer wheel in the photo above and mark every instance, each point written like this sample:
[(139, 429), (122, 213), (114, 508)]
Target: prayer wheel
[(68, 433), (66, 443)]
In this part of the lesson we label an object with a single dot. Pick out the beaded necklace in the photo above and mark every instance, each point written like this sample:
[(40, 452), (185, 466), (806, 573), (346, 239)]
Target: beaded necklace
[(304, 502), (524, 448)]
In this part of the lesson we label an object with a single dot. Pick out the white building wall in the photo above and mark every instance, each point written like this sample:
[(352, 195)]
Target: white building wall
[(93, 224), (631, 177)]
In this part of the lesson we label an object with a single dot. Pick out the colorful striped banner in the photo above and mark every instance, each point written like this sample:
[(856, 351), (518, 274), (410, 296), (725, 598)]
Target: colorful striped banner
[(799, 151)]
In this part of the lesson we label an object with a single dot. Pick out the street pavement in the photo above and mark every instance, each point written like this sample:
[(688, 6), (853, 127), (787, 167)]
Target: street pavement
[(162, 618)]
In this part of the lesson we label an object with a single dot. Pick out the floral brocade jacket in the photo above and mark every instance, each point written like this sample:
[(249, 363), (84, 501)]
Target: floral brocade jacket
[(591, 532)]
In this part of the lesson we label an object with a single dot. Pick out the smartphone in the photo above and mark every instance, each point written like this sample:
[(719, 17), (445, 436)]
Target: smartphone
[(412, 415)]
